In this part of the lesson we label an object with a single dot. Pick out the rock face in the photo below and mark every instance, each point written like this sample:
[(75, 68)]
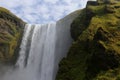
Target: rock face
[(11, 29), (95, 52)]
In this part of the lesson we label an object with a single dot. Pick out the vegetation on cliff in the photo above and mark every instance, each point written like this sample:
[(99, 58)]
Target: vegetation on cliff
[(95, 52), (11, 29)]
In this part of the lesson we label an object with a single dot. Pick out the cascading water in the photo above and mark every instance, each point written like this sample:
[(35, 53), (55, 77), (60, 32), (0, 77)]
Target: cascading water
[(42, 48)]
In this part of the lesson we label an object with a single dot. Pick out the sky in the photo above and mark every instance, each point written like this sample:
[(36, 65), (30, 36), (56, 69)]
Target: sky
[(42, 11)]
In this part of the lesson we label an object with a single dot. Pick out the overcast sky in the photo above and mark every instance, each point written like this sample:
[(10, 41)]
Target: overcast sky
[(42, 11)]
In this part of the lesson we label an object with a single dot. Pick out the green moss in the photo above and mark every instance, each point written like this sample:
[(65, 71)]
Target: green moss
[(74, 64), (11, 29), (95, 52), (112, 74), (99, 10)]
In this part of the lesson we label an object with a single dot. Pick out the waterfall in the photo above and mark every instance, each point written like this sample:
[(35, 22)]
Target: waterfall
[(42, 48)]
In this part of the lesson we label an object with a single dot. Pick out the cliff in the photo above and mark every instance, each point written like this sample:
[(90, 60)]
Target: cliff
[(11, 29), (95, 52)]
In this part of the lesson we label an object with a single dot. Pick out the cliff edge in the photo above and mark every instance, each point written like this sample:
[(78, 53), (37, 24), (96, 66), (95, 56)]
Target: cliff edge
[(11, 29), (95, 52)]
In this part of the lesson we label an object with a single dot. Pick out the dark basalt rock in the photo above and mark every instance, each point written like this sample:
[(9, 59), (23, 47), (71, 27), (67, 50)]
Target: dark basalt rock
[(109, 9), (116, 6), (107, 1), (93, 3)]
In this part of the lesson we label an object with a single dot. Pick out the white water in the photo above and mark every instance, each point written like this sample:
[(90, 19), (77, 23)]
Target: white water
[(42, 48)]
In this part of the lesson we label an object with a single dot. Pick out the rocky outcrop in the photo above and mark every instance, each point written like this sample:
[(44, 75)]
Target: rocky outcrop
[(11, 29), (95, 52)]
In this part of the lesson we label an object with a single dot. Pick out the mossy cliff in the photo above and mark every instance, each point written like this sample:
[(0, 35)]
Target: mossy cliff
[(11, 29), (95, 52)]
